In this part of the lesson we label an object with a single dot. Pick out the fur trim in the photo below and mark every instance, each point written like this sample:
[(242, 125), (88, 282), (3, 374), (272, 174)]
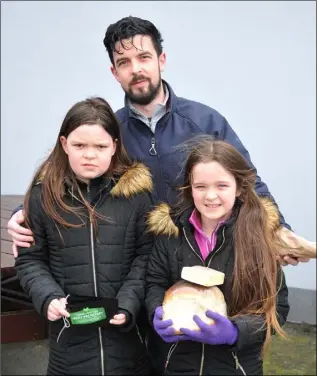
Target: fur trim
[(136, 180), (160, 222), (272, 214)]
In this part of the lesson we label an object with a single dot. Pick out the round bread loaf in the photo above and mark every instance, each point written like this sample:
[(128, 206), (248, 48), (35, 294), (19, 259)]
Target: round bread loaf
[(185, 299)]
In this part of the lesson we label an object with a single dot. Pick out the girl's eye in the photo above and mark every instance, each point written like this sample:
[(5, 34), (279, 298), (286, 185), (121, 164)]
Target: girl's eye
[(78, 145), (102, 146), (223, 185)]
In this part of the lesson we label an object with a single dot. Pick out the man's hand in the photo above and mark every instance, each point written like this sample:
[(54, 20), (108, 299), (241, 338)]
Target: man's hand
[(287, 260), (21, 236)]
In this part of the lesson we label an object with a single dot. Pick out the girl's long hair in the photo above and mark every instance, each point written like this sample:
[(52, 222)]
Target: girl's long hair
[(255, 279), (55, 170)]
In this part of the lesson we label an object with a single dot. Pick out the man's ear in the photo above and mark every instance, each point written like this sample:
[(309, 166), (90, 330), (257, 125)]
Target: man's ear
[(162, 61), (63, 141), (114, 73)]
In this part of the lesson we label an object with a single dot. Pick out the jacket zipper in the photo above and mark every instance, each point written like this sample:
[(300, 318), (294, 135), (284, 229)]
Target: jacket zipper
[(157, 168), (202, 360), (170, 352), (204, 264), (92, 247), (95, 283), (235, 356), (213, 254), (152, 150)]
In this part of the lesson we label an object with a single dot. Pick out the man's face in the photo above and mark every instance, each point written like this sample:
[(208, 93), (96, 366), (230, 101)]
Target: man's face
[(138, 69)]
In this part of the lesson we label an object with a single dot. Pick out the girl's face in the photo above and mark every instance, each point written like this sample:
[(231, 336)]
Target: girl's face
[(90, 149), (214, 191)]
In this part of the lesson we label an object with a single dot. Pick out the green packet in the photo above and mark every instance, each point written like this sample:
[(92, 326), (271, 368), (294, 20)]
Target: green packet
[(88, 316)]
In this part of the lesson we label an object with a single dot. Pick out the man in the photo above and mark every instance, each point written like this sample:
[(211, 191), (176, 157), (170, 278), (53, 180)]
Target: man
[(154, 121)]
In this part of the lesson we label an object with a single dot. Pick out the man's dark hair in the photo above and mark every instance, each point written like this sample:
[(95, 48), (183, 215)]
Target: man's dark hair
[(127, 28)]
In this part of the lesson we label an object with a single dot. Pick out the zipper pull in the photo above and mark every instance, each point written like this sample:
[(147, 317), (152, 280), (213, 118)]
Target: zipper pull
[(165, 366), (152, 150), (88, 193)]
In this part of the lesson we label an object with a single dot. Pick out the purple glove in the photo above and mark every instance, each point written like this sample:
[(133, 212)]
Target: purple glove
[(223, 332), (164, 329)]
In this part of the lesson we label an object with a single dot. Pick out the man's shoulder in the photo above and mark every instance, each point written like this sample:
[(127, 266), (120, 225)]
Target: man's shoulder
[(197, 112), (120, 114)]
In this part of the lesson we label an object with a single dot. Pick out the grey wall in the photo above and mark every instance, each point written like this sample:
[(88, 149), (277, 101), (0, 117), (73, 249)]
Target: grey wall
[(255, 62)]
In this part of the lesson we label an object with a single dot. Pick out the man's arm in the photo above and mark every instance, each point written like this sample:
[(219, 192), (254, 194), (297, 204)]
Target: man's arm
[(21, 236), (20, 207), (261, 188)]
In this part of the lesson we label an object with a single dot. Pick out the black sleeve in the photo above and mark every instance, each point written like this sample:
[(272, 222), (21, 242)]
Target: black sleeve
[(32, 264), (132, 293), (20, 207), (252, 329), (158, 277)]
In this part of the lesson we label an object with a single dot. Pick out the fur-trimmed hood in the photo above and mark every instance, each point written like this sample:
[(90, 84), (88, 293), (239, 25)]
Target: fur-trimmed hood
[(160, 221), (286, 242), (135, 180)]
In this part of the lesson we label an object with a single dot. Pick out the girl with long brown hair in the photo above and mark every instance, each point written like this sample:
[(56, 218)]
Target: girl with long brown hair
[(219, 223), (85, 271)]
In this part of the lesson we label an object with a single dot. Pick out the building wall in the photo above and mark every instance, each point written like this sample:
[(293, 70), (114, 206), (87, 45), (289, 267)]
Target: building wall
[(254, 62)]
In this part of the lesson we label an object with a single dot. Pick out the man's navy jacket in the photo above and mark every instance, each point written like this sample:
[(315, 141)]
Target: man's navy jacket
[(162, 152)]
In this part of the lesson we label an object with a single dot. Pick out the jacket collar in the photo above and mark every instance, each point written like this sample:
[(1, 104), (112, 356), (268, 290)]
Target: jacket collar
[(97, 186), (170, 105)]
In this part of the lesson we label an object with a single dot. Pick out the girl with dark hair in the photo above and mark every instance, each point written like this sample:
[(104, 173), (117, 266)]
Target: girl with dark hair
[(85, 271), (219, 223)]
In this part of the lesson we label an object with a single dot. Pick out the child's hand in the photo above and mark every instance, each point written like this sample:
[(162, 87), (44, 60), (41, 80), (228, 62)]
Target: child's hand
[(57, 310), (118, 319), (222, 332), (164, 328)]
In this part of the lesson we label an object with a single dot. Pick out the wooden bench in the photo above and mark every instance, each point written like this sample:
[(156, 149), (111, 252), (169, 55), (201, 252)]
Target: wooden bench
[(19, 321)]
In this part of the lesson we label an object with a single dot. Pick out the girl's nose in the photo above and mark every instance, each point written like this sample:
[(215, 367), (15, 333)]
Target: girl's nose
[(211, 194)]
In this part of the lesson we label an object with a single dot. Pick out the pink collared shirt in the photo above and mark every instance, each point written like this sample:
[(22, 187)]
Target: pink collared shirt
[(205, 244)]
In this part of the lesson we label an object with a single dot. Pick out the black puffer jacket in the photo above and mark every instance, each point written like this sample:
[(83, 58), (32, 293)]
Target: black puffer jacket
[(113, 264), (174, 248)]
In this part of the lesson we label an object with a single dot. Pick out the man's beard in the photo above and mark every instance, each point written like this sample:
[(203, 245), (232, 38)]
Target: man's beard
[(143, 97)]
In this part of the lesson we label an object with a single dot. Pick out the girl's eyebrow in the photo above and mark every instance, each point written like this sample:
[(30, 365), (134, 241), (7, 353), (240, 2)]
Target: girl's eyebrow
[(105, 143), (217, 181)]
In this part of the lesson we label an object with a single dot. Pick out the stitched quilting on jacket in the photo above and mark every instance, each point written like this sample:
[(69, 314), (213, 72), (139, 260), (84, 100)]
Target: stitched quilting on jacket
[(82, 262)]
